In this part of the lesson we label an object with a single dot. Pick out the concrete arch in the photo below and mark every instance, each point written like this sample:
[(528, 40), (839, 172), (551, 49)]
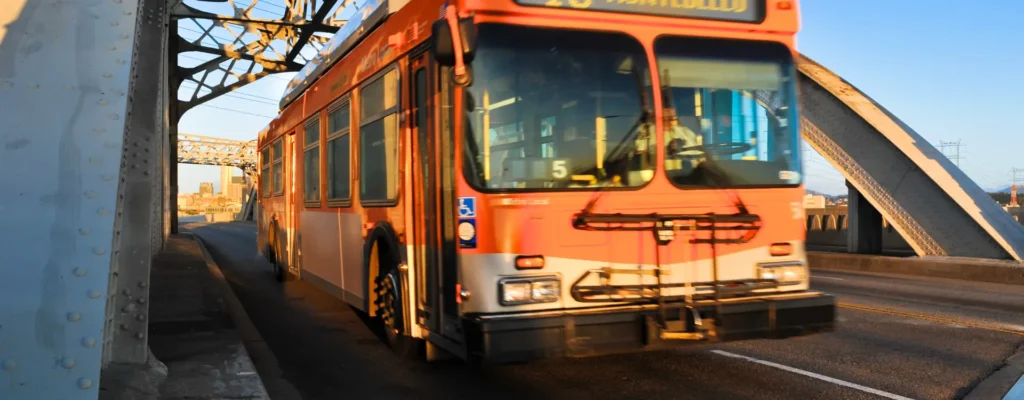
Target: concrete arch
[(926, 198)]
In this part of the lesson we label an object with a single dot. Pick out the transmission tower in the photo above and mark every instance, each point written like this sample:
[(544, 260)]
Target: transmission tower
[(955, 157)]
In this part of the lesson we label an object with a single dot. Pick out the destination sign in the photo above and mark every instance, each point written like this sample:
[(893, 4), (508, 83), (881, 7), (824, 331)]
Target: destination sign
[(722, 10)]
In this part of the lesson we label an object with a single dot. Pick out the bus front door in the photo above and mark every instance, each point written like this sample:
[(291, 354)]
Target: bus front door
[(428, 243)]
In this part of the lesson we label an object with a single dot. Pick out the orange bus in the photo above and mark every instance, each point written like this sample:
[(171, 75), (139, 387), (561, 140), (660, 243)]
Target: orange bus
[(506, 180)]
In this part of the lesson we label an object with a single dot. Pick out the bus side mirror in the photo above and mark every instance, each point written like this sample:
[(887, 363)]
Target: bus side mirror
[(443, 45)]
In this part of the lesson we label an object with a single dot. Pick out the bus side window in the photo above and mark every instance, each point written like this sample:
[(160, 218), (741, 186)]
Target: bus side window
[(277, 167), (265, 172), (378, 139)]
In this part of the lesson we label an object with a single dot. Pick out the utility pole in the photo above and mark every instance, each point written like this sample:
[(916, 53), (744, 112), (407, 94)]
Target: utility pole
[(956, 154)]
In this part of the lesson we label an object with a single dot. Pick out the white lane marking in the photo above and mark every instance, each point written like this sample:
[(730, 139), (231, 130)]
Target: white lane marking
[(813, 375), (826, 277)]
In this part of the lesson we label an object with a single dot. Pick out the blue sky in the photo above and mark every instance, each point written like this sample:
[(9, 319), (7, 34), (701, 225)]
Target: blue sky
[(947, 69)]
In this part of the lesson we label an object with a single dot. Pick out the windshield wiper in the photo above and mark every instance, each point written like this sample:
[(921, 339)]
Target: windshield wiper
[(646, 116), (711, 165)]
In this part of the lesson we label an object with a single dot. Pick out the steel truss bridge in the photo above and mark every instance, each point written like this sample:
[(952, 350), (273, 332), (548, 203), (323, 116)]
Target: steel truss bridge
[(204, 150)]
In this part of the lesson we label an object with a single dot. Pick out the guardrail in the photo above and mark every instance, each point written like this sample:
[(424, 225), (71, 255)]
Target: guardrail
[(827, 228)]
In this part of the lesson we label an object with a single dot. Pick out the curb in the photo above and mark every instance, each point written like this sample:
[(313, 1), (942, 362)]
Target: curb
[(1005, 383), (977, 270), (252, 342)]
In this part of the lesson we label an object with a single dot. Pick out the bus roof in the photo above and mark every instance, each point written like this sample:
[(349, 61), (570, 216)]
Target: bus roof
[(365, 16)]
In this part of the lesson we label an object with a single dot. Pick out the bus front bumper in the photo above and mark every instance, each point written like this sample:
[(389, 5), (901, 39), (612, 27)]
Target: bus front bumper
[(577, 333)]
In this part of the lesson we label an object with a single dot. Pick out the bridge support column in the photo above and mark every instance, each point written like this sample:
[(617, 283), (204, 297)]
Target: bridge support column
[(173, 116), (864, 229)]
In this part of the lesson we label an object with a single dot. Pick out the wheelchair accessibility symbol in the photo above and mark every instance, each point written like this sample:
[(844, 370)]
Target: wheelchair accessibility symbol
[(467, 207)]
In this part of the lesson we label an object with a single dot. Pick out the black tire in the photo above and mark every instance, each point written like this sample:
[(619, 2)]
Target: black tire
[(389, 289), (281, 273)]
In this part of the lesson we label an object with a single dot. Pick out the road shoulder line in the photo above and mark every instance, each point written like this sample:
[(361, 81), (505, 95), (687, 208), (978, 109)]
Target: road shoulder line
[(262, 357), (812, 375)]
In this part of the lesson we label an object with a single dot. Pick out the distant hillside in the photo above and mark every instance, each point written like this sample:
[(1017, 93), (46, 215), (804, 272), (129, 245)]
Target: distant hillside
[(1004, 189), (830, 196)]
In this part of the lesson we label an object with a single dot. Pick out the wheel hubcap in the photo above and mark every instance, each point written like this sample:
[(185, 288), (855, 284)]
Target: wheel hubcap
[(386, 296)]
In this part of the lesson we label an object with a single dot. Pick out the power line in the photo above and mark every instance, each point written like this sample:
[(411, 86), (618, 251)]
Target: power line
[(238, 95), (237, 111), (956, 155)]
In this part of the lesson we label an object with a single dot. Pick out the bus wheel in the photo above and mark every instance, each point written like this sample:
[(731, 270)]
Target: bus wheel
[(278, 271), (281, 273), (389, 312)]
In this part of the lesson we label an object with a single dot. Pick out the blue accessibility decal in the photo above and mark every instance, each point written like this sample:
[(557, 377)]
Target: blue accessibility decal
[(467, 207)]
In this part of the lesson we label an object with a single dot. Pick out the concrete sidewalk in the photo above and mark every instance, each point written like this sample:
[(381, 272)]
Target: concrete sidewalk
[(192, 335)]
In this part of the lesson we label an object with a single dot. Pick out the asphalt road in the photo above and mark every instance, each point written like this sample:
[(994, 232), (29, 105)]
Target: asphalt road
[(909, 337)]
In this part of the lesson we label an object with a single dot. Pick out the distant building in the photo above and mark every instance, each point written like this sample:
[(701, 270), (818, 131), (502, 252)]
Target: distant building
[(206, 189), (185, 200), (814, 201), (232, 187), (1016, 212)]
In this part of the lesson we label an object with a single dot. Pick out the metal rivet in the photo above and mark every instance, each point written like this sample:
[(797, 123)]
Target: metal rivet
[(94, 294), (99, 251), (128, 308), (74, 316), (67, 362), (108, 177), (88, 342), (102, 211), (114, 117), (126, 292), (102, 102), (9, 365), (80, 272), (84, 383), (142, 300), (142, 284), (124, 327), (140, 317), (89, 194), (139, 336)]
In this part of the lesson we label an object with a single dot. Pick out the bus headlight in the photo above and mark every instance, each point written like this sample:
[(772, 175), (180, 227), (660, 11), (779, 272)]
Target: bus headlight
[(783, 273), (527, 290)]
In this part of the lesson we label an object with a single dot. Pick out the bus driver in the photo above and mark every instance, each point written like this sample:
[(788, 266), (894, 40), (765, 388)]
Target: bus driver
[(683, 149)]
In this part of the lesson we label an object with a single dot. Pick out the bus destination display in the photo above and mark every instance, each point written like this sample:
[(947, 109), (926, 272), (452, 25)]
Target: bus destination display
[(722, 10)]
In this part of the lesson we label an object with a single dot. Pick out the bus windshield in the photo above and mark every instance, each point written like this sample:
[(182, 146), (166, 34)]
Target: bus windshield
[(728, 113), (553, 109)]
